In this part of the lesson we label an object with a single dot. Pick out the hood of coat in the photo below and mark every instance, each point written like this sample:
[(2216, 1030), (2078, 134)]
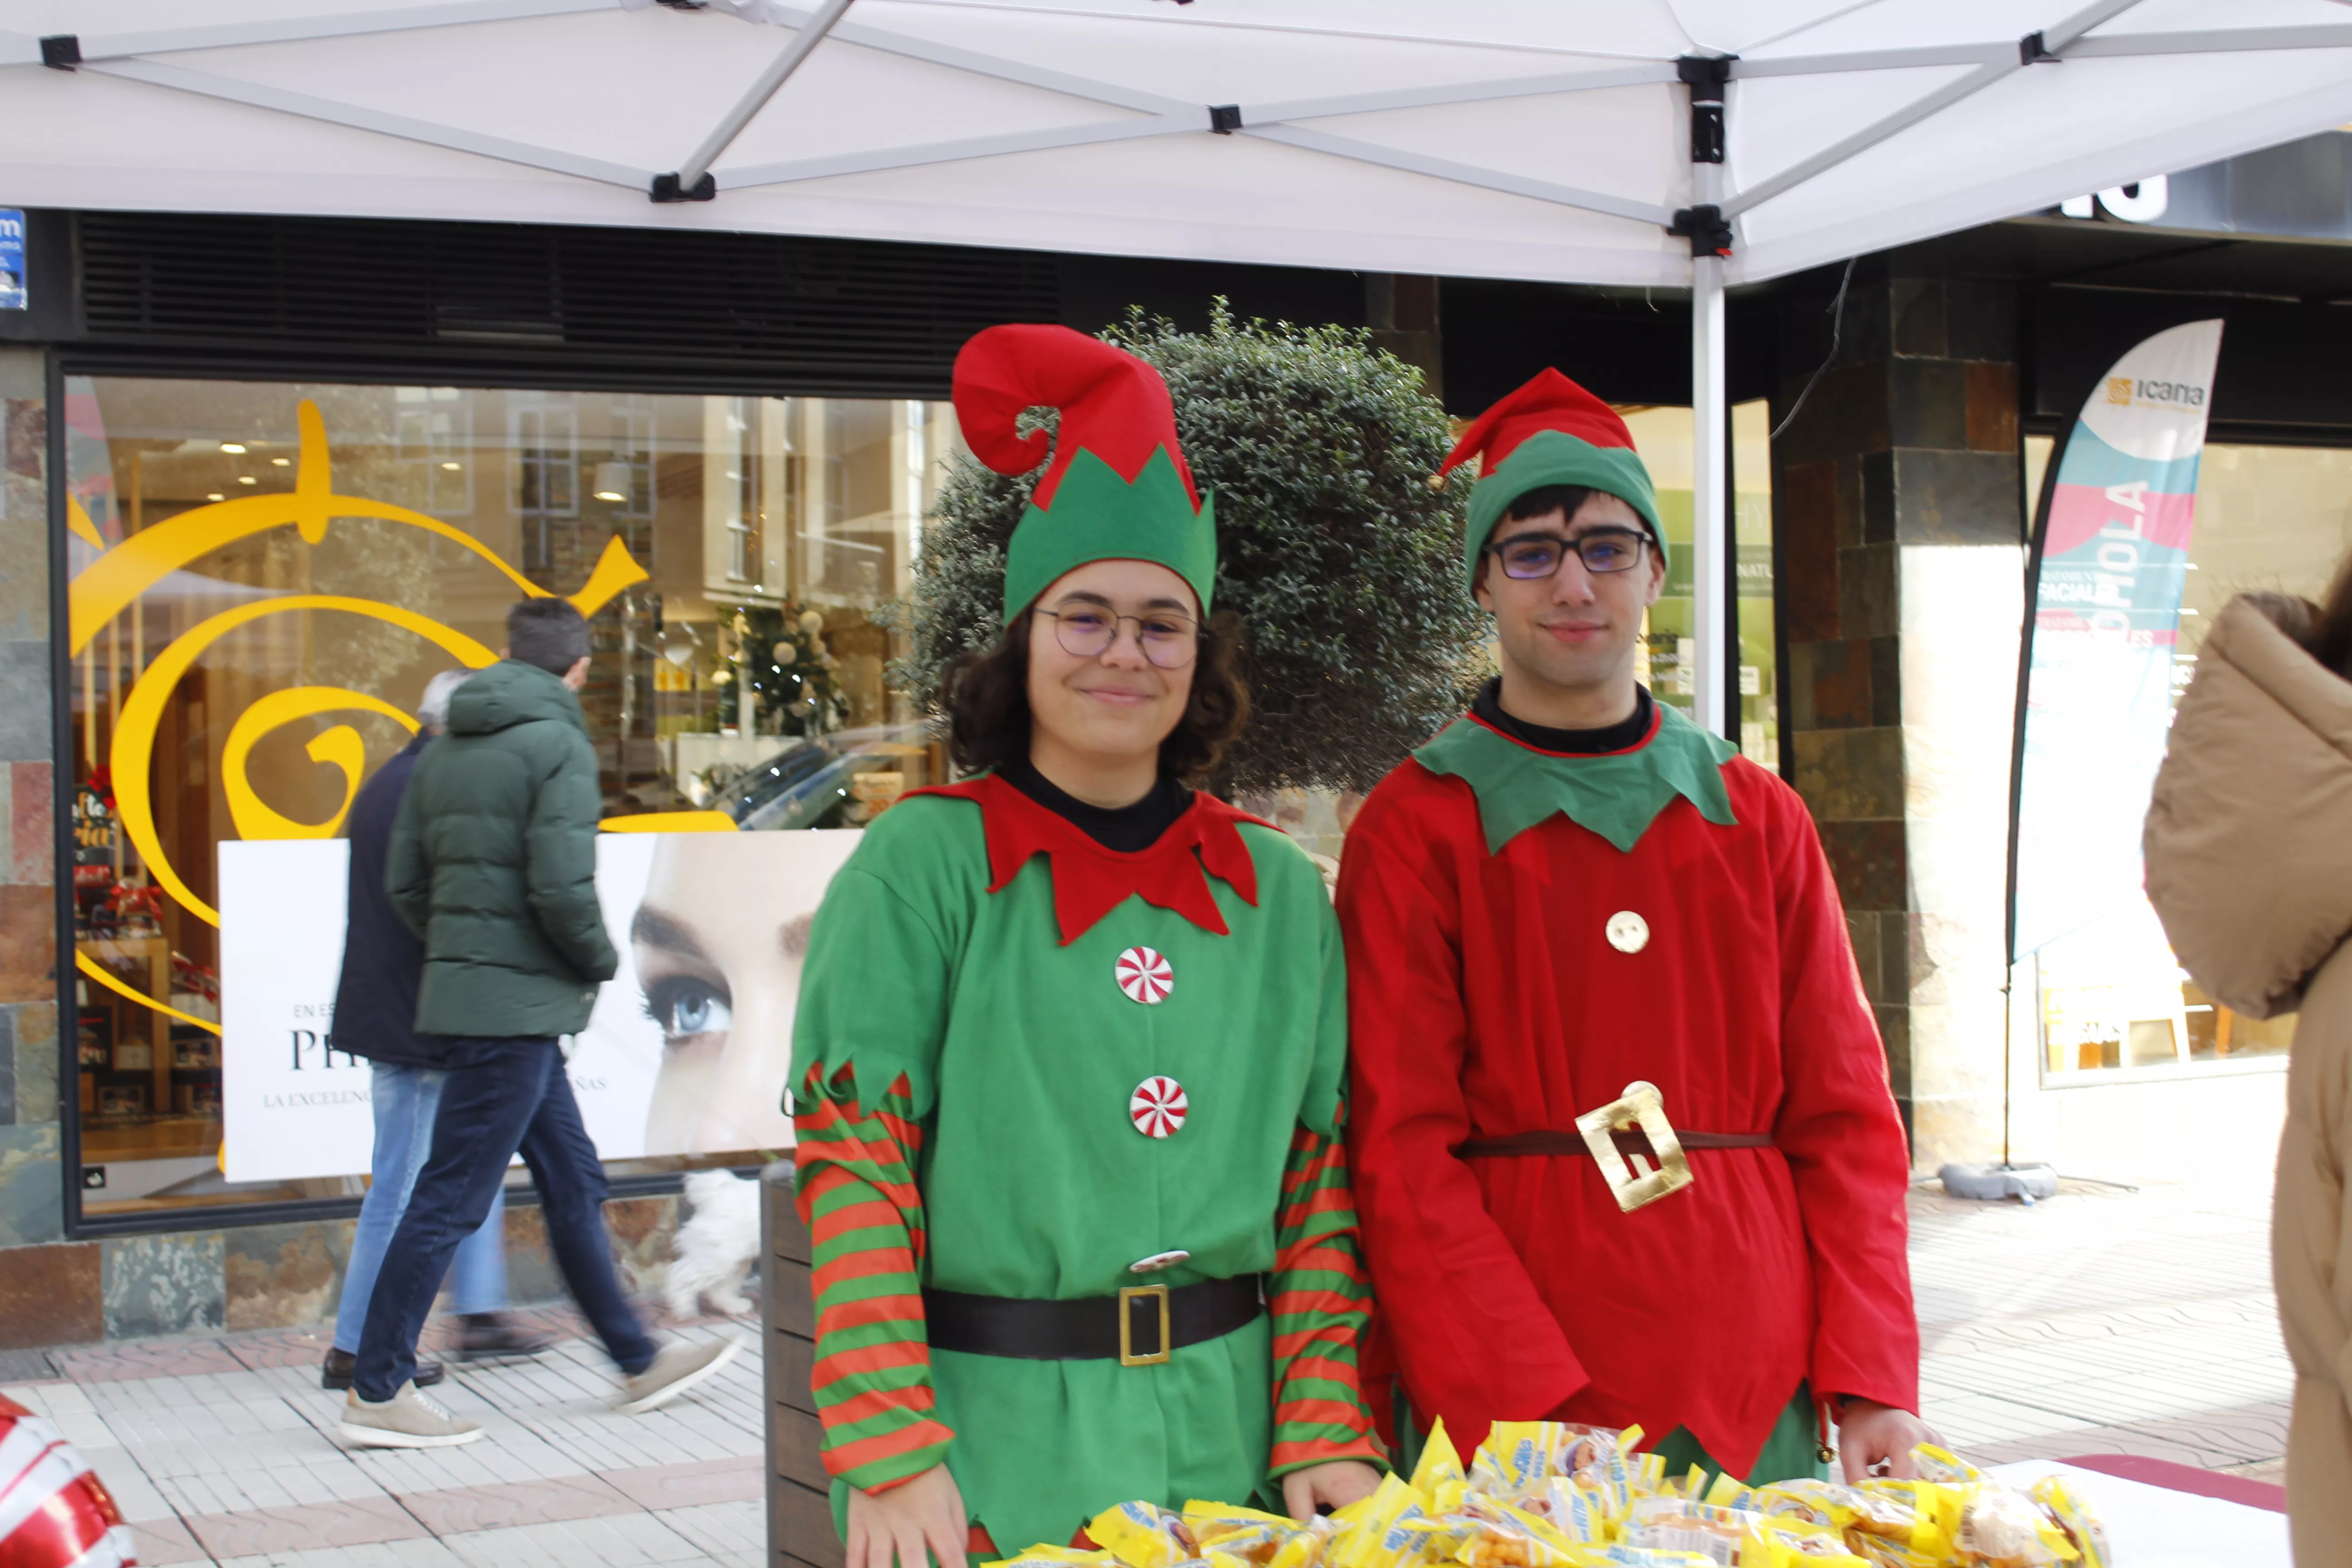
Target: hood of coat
[(508, 693), (2248, 834)]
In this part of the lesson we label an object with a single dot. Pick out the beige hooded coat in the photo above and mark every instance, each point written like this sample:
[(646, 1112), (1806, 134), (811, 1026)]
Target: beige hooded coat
[(2249, 845)]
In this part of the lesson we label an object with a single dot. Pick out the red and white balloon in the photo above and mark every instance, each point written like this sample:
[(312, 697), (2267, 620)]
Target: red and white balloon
[(1158, 1107), (1144, 975), (54, 1513)]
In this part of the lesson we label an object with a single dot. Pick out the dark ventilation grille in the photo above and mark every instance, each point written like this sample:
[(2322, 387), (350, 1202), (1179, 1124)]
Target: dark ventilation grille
[(652, 307)]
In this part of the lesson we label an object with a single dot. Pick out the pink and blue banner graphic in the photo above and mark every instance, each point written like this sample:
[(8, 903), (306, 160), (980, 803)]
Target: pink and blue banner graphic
[(2107, 622)]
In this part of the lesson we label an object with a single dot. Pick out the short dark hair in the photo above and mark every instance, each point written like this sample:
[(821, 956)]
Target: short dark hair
[(1540, 501), (548, 633), (986, 696)]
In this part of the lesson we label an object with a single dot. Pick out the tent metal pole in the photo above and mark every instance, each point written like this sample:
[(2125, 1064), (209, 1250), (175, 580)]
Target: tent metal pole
[(1710, 460), (804, 43)]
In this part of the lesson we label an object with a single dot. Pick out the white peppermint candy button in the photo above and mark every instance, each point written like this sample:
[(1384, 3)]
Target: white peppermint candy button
[(1158, 1107), (1144, 975), (1627, 932)]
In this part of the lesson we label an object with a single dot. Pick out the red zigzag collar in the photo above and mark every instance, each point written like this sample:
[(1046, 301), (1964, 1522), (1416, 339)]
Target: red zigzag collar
[(1090, 881)]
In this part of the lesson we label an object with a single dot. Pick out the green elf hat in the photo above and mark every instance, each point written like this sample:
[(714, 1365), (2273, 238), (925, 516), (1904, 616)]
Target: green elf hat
[(1118, 489), (1549, 432)]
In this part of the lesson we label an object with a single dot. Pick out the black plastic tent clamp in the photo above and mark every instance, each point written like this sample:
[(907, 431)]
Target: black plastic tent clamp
[(665, 188), (1707, 229), (1225, 119), (61, 51)]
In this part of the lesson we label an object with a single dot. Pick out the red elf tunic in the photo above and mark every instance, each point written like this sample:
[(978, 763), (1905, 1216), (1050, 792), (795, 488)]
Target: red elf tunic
[(1495, 987)]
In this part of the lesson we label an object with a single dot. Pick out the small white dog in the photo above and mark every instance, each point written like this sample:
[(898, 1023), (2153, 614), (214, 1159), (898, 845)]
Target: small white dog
[(716, 1247)]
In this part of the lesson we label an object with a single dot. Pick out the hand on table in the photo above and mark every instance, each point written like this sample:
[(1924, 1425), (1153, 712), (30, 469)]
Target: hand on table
[(927, 1511), (1333, 1484), (1869, 1435)]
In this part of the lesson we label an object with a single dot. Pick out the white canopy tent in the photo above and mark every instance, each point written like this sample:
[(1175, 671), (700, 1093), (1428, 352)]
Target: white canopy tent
[(1574, 141)]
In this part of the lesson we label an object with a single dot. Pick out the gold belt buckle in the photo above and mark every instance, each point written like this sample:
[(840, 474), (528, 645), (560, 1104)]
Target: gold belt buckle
[(1127, 1297), (1639, 1105)]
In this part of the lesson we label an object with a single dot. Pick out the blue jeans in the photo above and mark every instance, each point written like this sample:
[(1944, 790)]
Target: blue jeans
[(404, 1101), (502, 1096)]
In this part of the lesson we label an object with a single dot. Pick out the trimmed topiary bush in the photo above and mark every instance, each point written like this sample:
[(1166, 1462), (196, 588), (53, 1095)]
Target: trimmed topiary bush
[(1342, 563)]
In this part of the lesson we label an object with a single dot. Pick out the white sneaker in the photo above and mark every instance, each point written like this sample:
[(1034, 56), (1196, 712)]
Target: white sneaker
[(407, 1420), (675, 1368)]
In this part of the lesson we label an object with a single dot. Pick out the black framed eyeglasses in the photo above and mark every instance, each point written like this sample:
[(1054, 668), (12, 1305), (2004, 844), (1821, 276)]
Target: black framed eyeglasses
[(1528, 556), (1169, 638)]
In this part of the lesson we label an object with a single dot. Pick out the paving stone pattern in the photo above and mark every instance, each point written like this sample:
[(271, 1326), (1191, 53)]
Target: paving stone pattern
[(2101, 1321)]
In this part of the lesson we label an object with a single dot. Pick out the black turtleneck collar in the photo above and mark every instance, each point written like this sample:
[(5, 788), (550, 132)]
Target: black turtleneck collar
[(1618, 737), (1127, 829)]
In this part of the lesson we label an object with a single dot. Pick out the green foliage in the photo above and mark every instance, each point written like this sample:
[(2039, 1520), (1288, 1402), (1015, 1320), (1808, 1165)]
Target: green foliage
[(1341, 562)]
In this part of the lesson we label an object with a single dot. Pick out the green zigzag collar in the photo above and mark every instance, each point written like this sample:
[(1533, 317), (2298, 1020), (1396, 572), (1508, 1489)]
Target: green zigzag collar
[(1617, 796)]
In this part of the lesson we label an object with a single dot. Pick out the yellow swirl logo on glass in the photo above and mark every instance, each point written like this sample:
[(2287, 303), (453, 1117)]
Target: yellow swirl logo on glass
[(116, 579)]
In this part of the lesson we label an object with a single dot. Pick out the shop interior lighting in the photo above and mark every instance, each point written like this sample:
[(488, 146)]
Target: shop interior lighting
[(611, 481), (246, 479), (453, 465), (217, 496), (281, 462), (235, 448)]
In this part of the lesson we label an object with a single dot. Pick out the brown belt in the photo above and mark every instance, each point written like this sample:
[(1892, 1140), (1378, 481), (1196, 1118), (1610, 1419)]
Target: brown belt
[(1631, 1142)]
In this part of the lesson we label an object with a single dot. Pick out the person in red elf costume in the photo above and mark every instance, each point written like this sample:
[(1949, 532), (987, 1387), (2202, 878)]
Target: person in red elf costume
[(1573, 908)]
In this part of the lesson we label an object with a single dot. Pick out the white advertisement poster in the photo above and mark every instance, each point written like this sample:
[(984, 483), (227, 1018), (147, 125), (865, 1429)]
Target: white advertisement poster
[(686, 1052)]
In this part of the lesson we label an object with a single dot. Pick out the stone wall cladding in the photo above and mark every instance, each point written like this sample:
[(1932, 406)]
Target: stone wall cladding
[(1909, 439)]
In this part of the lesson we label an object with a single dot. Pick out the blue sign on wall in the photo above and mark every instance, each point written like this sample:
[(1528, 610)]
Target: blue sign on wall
[(12, 259)]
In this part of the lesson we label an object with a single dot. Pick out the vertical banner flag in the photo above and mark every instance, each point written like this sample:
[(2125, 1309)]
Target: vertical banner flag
[(2098, 698)]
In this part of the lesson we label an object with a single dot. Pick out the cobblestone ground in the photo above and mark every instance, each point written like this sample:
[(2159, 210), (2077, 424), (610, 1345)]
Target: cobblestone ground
[(2101, 1321)]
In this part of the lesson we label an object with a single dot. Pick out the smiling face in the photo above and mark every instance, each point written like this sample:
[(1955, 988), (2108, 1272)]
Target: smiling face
[(1116, 705), (720, 976), (1571, 635)]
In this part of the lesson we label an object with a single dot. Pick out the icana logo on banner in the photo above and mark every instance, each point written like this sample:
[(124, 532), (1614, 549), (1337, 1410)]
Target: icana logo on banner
[(2097, 697)]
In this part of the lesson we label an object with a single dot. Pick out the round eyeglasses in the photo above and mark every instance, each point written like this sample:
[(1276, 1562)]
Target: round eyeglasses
[(1533, 555), (1169, 640)]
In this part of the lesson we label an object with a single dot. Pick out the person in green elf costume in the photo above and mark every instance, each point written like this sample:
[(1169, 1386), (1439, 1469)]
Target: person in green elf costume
[(1571, 911), (1069, 1057)]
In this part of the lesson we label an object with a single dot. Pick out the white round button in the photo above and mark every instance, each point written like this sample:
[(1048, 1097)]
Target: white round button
[(1144, 977), (1158, 1107), (1627, 932)]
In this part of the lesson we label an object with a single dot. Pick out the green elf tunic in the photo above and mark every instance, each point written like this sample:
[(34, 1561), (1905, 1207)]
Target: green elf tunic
[(1024, 1063)]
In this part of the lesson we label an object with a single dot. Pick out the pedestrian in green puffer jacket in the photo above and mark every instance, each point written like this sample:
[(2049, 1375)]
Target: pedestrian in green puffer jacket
[(493, 865), (493, 861)]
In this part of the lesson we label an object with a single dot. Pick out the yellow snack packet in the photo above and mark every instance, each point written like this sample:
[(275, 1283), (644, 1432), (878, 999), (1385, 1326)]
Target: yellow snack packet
[(2073, 1514), (1935, 1464), (1438, 1478), (1729, 1491), (2003, 1528), (1243, 1532), (1580, 1514), (1836, 1506), (1141, 1536), (1642, 1557), (1783, 1543), (1517, 1456), (1934, 1512), (1678, 1524), (1365, 1532), (1054, 1557)]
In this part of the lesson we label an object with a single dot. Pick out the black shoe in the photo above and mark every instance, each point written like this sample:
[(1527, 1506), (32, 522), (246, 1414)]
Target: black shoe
[(484, 1336), (337, 1372)]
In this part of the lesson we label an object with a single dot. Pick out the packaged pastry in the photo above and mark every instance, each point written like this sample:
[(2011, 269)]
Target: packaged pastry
[(1580, 1513), (1518, 1457), (1439, 1478), (1141, 1536), (1245, 1533), (1785, 1543), (2073, 1511), (2003, 1528), (1054, 1557), (1678, 1524), (1835, 1507), (1365, 1531), (1935, 1464)]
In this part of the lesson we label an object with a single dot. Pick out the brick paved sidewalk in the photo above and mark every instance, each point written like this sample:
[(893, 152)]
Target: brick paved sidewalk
[(2099, 1321), (2103, 1321), (223, 1450)]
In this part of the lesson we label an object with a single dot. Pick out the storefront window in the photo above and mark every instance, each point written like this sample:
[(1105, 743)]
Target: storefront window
[(264, 576), (2273, 518), (1662, 437)]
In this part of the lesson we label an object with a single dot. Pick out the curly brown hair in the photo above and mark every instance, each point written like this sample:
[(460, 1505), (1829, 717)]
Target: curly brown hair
[(986, 696)]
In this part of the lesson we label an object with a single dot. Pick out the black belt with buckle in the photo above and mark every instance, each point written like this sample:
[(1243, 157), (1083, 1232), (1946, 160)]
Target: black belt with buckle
[(1141, 1326)]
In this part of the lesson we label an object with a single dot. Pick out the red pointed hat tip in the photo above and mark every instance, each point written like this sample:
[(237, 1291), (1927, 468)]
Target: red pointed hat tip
[(1112, 403), (1549, 402)]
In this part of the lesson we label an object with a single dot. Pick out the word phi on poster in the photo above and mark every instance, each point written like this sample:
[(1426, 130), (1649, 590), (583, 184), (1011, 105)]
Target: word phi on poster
[(687, 1050)]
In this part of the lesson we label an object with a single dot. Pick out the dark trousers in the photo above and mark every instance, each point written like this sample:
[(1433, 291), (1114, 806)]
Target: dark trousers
[(502, 1096)]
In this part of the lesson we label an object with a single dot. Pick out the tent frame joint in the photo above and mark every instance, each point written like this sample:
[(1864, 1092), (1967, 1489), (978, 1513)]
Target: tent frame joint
[(61, 51), (2033, 51), (1708, 231), (667, 188), (1225, 119)]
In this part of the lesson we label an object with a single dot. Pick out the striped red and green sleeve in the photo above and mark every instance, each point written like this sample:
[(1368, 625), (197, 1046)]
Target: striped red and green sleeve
[(854, 1185), (1321, 1303)]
